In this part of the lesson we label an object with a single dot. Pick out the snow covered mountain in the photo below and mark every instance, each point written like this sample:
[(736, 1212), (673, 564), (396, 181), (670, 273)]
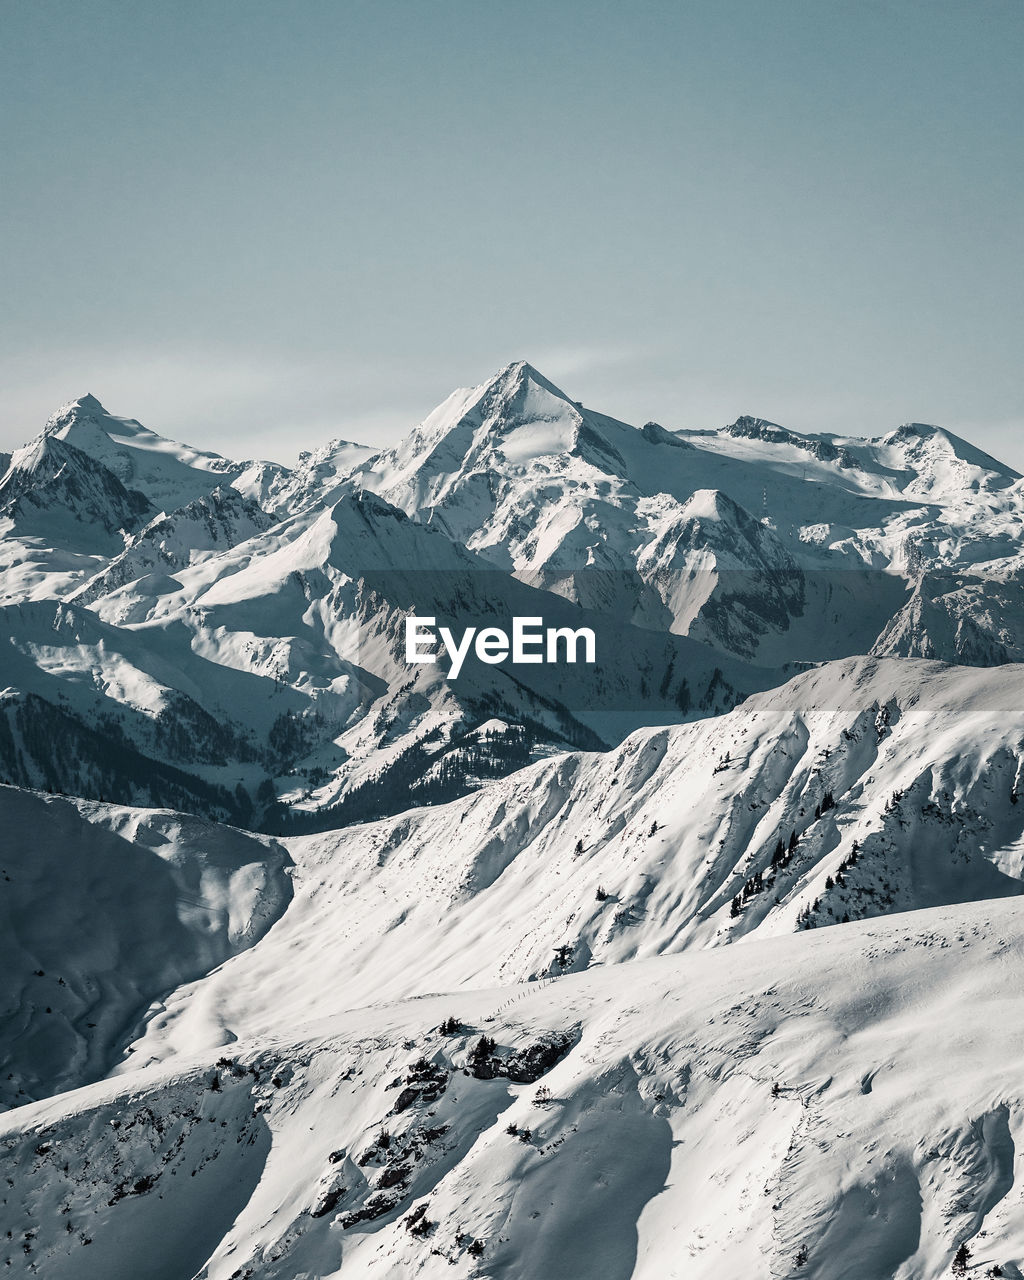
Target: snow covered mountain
[(56, 490), (726, 924), (838, 1104), (169, 474), (210, 523), (860, 789), (763, 539), (726, 555), (146, 900), (814, 1079)]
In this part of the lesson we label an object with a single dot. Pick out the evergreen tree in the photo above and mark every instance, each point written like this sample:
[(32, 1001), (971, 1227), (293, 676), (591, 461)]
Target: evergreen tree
[(482, 1050)]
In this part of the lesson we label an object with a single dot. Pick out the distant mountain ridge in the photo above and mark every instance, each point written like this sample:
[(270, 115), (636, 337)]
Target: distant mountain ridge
[(727, 555)]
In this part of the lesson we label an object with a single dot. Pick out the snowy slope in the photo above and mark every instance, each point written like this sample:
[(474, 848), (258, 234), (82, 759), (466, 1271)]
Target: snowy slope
[(168, 473), (63, 515), (105, 909), (600, 859), (213, 522), (669, 886), (280, 656), (55, 489), (842, 1105)]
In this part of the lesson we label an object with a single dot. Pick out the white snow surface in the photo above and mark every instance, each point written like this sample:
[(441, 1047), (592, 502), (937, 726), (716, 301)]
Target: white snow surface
[(750, 953), (669, 826), (840, 1104), (724, 1092)]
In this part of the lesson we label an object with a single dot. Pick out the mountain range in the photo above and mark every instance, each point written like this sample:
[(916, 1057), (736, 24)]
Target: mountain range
[(700, 960), (239, 623)]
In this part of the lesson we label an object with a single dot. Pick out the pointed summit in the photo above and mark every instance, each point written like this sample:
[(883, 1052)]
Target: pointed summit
[(85, 409), (939, 458), (515, 394), (89, 404), (169, 474), (520, 374), (57, 490), (516, 413)]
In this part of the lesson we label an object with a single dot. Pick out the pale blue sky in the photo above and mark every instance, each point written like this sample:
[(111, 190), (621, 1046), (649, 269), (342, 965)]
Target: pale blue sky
[(256, 225)]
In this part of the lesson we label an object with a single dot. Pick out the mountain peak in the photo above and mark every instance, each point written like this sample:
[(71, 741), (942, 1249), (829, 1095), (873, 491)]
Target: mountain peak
[(519, 375), (918, 439), (84, 408), (169, 474), (822, 447), (749, 425), (88, 404), (712, 504), (473, 420), (907, 430), (53, 486)]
